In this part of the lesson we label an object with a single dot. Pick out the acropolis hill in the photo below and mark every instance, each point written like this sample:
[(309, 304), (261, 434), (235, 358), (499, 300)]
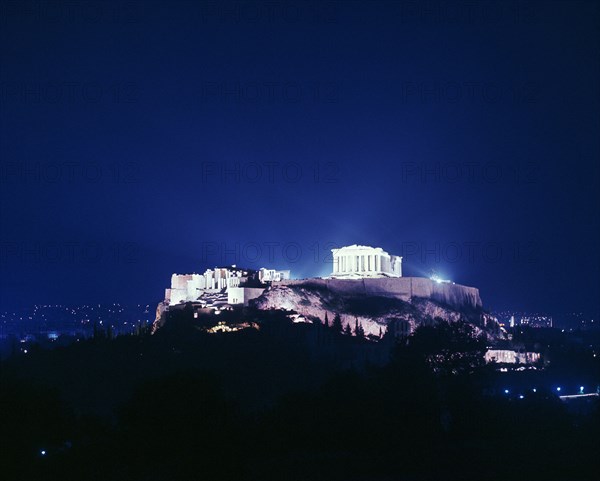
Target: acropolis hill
[(366, 286)]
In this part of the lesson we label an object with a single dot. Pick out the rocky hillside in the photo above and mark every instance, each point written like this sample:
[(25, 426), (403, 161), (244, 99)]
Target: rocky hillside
[(374, 312)]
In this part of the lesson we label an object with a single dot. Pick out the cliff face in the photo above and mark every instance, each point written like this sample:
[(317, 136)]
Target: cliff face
[(159, 319), (403, 288), (376, 303)]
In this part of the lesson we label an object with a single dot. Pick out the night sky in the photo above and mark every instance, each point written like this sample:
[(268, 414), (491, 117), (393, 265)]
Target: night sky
[(142, 139)]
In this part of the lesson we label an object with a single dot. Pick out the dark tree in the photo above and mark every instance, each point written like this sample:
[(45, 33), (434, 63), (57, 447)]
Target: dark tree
[(449, 348), (358, 329), (337, 323)]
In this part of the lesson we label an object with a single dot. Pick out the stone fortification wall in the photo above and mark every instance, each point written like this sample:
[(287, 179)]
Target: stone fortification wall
[(404, 288)]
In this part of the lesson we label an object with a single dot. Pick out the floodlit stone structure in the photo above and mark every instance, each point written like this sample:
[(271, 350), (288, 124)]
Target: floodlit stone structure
[(242, 295), (272, 275), (508, 356), (189, 287), (229, 285), (356, 262)]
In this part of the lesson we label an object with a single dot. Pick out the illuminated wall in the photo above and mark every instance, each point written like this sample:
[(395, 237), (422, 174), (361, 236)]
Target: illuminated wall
[(404, 288), (511, 357), (242, 295), (363, 261), (189, 287)]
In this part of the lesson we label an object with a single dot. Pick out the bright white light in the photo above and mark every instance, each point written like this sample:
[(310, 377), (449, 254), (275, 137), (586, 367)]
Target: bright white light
[(506, 391), (43, 452), (581, 389), (534, 390), (558, 388), (521, 396)]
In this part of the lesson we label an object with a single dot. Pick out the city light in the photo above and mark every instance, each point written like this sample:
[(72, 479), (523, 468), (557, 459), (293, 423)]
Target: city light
[(534, 390), (506, 391), (43, 452), (521, 396), (581, 389), (558, 389)]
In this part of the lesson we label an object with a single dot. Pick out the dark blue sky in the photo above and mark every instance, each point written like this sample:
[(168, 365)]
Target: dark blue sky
[(143, 139)]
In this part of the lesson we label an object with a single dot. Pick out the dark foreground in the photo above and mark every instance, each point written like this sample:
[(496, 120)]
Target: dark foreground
[(296, 402)]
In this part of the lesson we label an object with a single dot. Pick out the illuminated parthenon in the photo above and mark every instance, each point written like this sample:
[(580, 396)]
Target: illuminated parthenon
[(363, 261)]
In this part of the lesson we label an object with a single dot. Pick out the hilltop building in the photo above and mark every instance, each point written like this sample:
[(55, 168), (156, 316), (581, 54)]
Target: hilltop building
[(272, 275), (221, 285), (355, 262)]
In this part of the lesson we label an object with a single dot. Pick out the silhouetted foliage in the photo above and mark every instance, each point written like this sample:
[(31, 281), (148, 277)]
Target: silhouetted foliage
[(358, 329), (287, 401), (449, 348), (336, 325)]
